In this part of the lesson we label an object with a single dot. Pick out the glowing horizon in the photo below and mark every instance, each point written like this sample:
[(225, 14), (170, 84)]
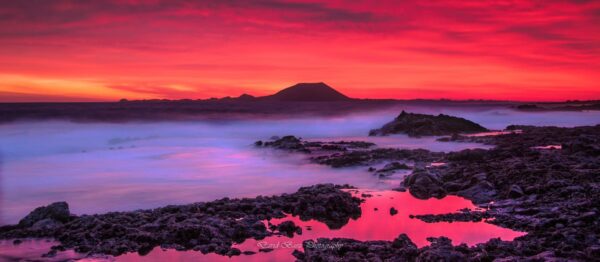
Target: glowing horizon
[(105, 51)]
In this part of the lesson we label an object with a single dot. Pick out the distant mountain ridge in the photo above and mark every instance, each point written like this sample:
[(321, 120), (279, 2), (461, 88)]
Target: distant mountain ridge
[(309, 92)]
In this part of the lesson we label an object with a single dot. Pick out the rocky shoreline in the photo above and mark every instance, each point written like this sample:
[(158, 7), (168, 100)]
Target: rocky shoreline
[(553, 194), (208, 227)]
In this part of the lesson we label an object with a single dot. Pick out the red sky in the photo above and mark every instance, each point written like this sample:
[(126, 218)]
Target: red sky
[(106, 50)]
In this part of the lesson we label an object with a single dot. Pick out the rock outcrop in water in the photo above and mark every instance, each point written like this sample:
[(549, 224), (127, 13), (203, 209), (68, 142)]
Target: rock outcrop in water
[(292, 143), (42, 217), (377, 155), (205, 227), (424, 184), (464, 215), (353, 153), (417, 125)]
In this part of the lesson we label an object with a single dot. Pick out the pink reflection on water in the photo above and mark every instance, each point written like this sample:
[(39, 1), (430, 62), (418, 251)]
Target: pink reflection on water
[(548, 147), (434, 164), (495, 133), (32, 250), (372, 225)]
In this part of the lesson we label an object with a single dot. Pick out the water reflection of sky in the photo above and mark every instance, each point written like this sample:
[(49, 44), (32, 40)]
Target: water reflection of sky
[(98, 167), (371, 225)]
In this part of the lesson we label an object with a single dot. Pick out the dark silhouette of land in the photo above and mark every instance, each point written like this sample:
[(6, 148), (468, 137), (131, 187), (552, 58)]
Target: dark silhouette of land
[(416, 125), (300, 99), (561, 106), (309, 92)]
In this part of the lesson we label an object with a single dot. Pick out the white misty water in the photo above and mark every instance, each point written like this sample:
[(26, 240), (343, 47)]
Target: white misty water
[(99, 167)]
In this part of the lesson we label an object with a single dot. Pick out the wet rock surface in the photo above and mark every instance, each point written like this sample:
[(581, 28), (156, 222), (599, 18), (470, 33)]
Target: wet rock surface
[(206, 227), (417, 125)]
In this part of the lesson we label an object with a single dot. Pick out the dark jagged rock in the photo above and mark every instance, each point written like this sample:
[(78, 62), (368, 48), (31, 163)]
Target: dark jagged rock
[(287, 143), (292, 143), (352, 153), (467, 155), (342, 249), (327, 206), (207, 227), (288, 228), (480, 192), (373, 156), (400, 249), (392, 167), (56, 212), (416, 125), (441, 249), (462, 216), (423, 184)]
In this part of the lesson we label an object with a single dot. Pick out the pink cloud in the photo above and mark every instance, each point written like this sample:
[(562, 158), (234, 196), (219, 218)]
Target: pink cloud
[(263, 45)]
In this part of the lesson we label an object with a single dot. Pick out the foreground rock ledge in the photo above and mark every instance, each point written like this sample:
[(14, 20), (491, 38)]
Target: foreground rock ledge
[(206, 227)]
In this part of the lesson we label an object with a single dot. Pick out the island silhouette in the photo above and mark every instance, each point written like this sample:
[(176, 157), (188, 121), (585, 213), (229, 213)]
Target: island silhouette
[(308, 92)]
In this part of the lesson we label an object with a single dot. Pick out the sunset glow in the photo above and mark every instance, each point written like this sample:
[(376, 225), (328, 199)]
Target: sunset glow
[(107, 50)]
